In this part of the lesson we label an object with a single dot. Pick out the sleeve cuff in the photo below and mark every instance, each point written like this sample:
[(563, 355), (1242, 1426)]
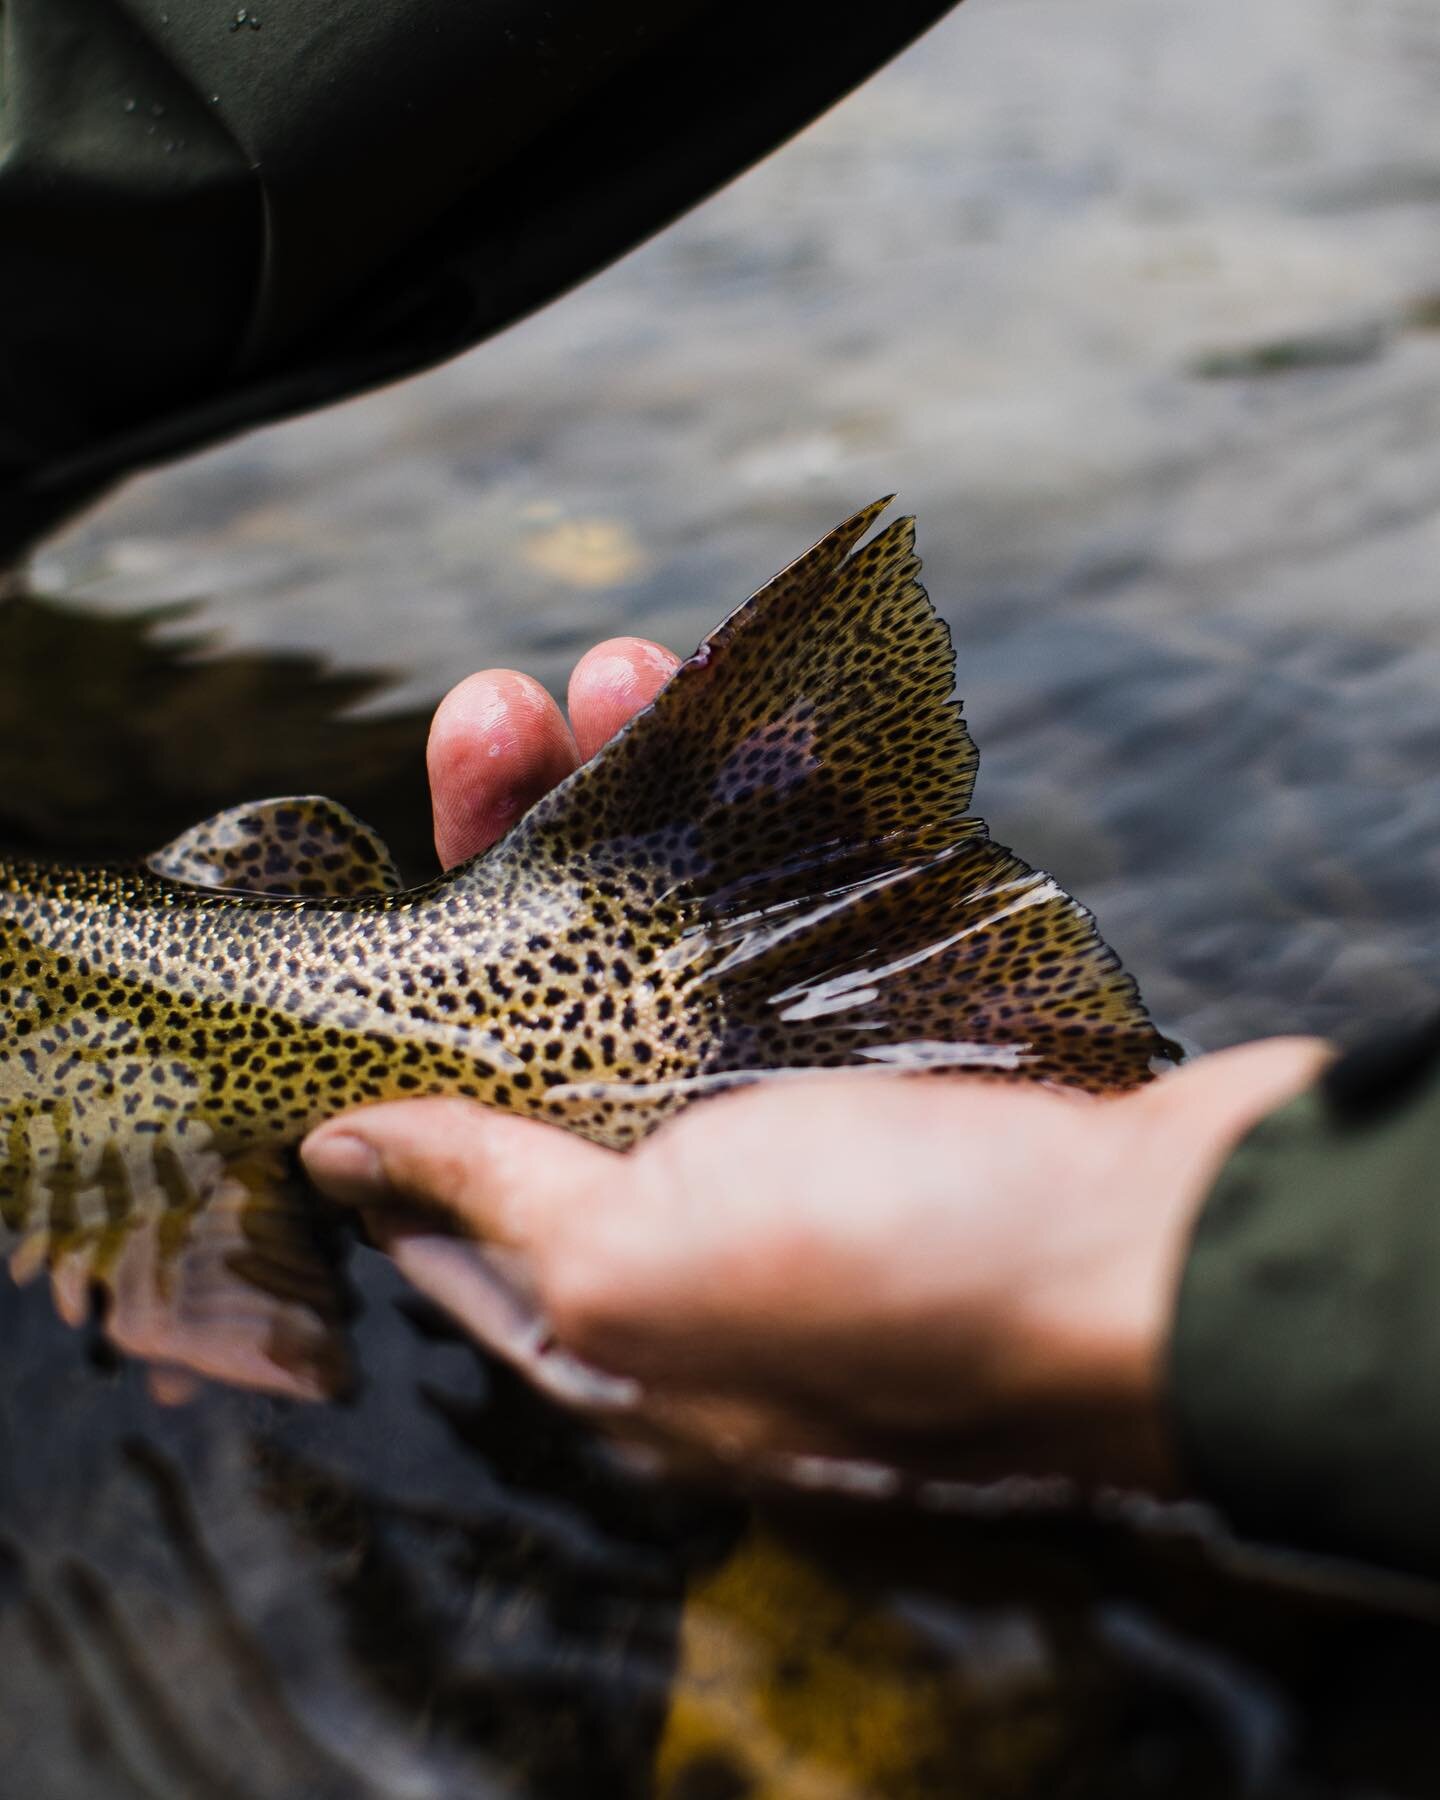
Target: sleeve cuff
[(1305, 1362)]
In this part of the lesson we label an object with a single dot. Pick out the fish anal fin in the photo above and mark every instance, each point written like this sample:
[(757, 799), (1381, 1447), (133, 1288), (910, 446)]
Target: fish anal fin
[(300, 844)]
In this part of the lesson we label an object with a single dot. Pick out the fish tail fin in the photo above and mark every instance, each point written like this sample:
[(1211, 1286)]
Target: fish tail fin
[(816, 719), (966, 959), (780, 868)]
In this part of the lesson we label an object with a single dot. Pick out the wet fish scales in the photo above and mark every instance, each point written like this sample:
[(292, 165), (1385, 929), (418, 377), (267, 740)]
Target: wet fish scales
[(772, 868)]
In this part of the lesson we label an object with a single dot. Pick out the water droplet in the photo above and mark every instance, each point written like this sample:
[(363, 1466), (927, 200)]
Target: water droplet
[(244, 16), (130, 105), (157, 111)]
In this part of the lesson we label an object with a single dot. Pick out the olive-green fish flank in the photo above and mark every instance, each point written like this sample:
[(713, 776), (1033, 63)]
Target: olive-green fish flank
[(772, 868)]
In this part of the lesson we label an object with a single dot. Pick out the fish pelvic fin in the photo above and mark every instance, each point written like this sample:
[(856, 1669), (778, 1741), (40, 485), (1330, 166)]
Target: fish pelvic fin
[(210, 1267), (781, 846), (244, 1290), (298, 844)]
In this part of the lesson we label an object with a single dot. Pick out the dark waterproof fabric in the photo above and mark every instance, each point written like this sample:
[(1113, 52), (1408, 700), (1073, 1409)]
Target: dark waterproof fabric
[(214, 214), (1306, 1351)]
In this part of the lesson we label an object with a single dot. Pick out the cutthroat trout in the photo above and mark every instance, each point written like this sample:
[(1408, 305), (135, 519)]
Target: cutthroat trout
[(773, 867)]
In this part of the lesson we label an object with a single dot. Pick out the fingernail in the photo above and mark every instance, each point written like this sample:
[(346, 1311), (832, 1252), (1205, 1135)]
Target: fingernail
[(345, 1166)]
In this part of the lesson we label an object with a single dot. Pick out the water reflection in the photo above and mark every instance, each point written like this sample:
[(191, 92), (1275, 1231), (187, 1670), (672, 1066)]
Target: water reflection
[(443, 1588), (120, 729), (226, 1597)]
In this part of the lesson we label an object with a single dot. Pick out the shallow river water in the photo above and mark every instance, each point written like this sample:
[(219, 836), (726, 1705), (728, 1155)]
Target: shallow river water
[(1137, 305)]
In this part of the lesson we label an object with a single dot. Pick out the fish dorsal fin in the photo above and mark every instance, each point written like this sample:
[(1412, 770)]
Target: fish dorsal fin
[(299, 844), (816, 719)]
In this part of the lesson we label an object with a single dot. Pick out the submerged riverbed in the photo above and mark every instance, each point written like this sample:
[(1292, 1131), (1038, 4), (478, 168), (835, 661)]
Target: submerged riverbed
[(1136, 305)]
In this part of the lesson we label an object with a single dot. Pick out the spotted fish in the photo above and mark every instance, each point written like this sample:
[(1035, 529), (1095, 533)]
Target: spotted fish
[(773, 867)]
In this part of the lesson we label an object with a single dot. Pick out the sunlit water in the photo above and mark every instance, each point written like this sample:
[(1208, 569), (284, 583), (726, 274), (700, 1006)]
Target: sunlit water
[(1134, 304)]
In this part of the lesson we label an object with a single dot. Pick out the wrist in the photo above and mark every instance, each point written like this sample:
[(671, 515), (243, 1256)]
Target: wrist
[(1191, 1122)]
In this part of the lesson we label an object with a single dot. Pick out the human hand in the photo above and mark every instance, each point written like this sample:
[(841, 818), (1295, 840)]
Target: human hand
[(947, 1276)]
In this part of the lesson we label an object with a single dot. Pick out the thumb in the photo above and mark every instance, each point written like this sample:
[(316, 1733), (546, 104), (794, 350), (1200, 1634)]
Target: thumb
[(504, 1179), (514, 1182)]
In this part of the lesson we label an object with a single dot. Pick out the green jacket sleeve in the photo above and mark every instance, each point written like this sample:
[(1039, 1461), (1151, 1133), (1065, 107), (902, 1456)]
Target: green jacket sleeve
[(1306, 1350), (214, 214)]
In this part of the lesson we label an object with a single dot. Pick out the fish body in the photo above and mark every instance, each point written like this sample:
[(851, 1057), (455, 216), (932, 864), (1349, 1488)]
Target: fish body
[(773, 868)]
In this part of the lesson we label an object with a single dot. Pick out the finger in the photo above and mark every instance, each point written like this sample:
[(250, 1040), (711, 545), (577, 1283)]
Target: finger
[(758, 1445), (510, 1181), (610, 685), (488, 1292), (497, 743)]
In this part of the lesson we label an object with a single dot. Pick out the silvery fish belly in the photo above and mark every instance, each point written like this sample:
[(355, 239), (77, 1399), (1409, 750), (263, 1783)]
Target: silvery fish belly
[(772, 868)]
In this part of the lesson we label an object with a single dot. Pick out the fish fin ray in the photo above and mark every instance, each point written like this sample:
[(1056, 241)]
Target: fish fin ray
[(964, 960), (789, 822), (295, 844), (243, 1291)]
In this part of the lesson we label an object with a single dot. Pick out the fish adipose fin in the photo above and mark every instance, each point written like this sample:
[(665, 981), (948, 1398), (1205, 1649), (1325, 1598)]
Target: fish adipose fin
[(301, 844), (780, 858), (196, 1266)]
